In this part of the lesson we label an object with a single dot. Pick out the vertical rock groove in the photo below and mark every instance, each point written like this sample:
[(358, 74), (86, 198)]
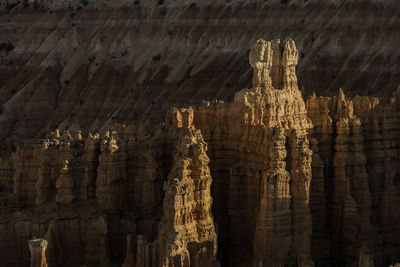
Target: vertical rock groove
[(265, 180)]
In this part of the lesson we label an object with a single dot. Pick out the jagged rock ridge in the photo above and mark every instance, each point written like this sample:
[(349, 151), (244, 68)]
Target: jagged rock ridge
[(88, 64), (266, 180)]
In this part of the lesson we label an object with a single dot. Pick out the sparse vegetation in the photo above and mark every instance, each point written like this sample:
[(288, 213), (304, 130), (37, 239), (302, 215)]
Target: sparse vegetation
[(190, 68), (84, 2), (36, 6), (157, 58), (11, 6), (8, 47)]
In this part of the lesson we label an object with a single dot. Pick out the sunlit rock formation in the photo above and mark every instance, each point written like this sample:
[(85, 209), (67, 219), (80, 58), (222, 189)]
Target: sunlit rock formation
[(186, 234), (37, 248), (260, 153), (84, 64), (265, 180), (167, 220)]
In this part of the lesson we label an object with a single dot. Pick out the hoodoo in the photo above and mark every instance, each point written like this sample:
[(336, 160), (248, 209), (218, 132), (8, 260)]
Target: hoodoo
[(260, 154), (265, 180)]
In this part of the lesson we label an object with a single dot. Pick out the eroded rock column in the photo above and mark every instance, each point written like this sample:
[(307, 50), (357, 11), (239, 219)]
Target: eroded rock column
[(261, 153), (37, 248), (111, 172), (186, 235)]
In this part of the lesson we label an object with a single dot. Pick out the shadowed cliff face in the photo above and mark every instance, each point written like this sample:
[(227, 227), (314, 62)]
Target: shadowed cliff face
[(86, 64), (152, 183), (265, 180)]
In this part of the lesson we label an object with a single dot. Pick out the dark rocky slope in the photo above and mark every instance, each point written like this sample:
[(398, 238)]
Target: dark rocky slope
[(84, 64)]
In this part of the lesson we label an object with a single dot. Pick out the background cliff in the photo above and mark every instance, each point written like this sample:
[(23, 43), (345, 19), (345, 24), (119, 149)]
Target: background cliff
[(263, 178), (89, 63)]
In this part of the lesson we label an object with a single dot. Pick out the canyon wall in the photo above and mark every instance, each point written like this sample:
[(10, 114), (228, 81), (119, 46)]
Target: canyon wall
[(356, 178), (265, 180), (261, 164), (138, 196), (90, 64)]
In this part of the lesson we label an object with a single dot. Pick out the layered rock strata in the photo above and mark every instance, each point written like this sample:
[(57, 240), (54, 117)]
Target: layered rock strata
[(186, 234), (358, 145), (267, 180), (260, 153), (103, 188), (86, 63)]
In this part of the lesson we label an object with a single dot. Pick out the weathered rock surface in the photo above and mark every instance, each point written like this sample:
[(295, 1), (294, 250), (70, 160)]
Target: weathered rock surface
[(37, 248), (265, 180), (89, 196), (186, 234), (358, 144), (84, 64), (260, 153)]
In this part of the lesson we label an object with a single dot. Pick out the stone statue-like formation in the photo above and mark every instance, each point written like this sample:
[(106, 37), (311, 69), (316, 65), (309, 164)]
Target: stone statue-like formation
[(267, 180), (265, 151), (271, 159), (274, 99), (271, 67)]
